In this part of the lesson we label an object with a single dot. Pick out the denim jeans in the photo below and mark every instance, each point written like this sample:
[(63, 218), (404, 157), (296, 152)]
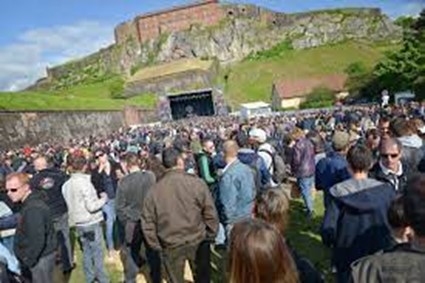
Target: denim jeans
[(61, 226), (91, 243), (220, 239), (42, 272), (10, 259), (8, 242), (305, 186), (110, 217)]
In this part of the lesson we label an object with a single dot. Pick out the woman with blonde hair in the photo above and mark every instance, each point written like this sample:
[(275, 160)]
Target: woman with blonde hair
[(258, 254), (273, 207)]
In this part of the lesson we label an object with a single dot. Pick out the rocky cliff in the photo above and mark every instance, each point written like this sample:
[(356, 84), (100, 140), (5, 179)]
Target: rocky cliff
[(246, 30)]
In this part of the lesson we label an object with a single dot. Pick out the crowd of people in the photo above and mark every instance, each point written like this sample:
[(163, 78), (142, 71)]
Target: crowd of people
[(161, 195)]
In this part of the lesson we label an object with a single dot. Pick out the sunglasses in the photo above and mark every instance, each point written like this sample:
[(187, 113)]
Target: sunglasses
[(13, 190), (390, 155)]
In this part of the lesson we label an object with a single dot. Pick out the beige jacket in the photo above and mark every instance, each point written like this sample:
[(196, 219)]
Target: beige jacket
[(84, 207)]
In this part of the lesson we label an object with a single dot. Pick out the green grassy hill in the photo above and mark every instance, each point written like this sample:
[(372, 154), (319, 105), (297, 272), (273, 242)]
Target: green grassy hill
[(250, 80), (83, 97)]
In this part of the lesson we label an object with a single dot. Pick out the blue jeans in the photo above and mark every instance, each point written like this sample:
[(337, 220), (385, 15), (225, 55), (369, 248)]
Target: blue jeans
[(10, 259), (61, 226), (8, 242), (220, 239), (305, 185), (91, 243), (110, 217)]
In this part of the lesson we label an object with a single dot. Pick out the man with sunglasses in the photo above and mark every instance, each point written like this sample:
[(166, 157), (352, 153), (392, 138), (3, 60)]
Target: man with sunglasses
[(389, 168), (35, 238)]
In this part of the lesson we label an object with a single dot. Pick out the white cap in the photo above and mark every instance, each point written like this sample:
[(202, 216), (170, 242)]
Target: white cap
[(258, 135)]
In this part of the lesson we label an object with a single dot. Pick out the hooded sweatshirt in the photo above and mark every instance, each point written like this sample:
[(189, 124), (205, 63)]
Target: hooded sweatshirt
[(355, 223), (412, 151)]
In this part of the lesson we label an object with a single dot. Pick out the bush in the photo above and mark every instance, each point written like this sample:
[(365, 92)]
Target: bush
[(319, 98), (116, 89), (356, 69), (358, 77), (275, 52)]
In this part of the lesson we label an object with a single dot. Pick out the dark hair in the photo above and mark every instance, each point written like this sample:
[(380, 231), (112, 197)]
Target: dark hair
[(317, 140), (170, 157), (384, 119), (372, 132), (414, 204), (258, 253), (359, 158), (396, 216), (132, 159), (241, 139), (154, 164), (77, 162)]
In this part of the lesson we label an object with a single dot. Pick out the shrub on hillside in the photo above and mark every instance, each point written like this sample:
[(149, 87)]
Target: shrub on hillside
[(319, 98), (358, 76), (276, 51), (116, 89)]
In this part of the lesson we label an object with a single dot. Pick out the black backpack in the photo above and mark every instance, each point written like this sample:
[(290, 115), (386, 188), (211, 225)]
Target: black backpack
[(279, 168)]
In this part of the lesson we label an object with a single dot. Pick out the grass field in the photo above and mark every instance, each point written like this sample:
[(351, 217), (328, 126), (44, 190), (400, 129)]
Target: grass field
[(170, 68), (303, 235), (83, 97), (252, 80)]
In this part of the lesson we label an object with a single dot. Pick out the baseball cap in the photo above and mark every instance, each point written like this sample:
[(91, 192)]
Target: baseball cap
[(258, 135)]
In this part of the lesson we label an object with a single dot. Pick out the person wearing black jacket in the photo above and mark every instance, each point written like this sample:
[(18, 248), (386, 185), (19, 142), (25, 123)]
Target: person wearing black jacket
[(49, 181), (389, 168), (403, 262), (131, 192), (35, 241)]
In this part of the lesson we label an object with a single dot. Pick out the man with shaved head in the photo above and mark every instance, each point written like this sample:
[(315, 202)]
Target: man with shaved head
[(390, 168), (236, 188), (49, 180)]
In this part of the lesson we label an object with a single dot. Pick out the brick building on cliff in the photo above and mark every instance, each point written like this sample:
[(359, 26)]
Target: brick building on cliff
[(151, 25)]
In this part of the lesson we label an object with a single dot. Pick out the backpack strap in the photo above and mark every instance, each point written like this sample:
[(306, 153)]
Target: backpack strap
[(271, 155)]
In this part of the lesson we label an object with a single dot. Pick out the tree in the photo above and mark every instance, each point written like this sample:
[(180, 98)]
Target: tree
[(358, 76), (403, 69)]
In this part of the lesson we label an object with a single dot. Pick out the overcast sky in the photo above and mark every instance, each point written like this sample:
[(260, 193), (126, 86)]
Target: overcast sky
[(40, 33)]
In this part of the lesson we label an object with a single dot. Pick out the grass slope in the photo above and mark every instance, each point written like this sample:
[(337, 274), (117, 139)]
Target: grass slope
[(83, 97), (252, 80)]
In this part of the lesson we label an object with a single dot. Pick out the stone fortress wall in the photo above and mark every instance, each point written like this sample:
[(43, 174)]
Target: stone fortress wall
[(151, 25)]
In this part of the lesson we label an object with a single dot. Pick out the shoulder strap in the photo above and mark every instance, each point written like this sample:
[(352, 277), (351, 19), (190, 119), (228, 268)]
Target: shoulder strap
[(271, 155)]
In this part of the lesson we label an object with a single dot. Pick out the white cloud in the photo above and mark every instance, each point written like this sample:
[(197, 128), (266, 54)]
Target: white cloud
[(25, 60), (412, 8)]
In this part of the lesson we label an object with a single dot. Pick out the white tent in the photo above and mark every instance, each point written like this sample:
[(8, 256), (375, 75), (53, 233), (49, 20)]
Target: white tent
[(258, 108)]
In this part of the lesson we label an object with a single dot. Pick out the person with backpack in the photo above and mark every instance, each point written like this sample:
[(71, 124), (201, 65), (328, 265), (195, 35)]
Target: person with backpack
[(274, 162), (249, 157)]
